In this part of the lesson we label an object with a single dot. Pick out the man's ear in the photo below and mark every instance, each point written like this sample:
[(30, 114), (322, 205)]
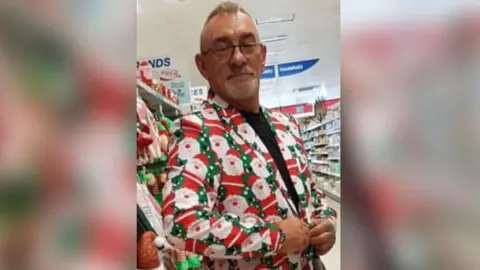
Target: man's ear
[(200, 62), (264, 56)]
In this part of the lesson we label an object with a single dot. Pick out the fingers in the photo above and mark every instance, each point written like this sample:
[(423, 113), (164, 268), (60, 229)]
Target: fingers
[(304, 228), (305, 233), (323, 249), (322, 238), (315, 222), (322, 227)]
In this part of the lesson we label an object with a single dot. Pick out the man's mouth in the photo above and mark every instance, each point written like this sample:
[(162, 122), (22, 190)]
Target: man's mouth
[(239, 75)]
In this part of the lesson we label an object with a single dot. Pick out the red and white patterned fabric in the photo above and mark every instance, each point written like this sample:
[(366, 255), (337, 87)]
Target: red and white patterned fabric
[(225, 195)]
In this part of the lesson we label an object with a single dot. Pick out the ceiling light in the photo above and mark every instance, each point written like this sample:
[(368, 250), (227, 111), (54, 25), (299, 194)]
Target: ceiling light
[(274, 53), (276, 19), (274, 38), (306, 88)]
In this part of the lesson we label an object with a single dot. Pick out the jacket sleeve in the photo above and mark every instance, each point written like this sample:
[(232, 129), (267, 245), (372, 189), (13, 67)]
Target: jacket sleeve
[(191, 219), (321, 208)]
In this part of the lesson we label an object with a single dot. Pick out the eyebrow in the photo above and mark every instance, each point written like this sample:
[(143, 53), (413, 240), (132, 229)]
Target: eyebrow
[(224, 39)]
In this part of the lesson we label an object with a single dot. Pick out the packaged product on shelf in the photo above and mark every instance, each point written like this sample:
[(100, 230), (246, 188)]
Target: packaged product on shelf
[(147, 253), (164, 126), (147, 133)]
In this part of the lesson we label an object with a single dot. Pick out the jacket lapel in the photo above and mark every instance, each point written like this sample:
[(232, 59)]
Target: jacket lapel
[(244, 134), (289, 147)]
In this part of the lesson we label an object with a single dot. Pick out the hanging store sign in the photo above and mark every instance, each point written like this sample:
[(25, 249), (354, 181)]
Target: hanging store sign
[(156, 62), (294, 68), (162, 69), (181, 89), (268, 73), (295, 109), (198, 94), (158, 69)]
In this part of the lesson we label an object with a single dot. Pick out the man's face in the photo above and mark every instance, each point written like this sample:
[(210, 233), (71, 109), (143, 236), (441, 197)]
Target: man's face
[(234, 73)]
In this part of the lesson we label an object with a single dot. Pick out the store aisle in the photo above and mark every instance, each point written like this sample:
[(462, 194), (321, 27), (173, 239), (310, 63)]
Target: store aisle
[(332, 259)]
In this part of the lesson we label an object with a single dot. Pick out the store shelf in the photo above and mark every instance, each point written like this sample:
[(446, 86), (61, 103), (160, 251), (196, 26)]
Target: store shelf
[(328, 173), (154, 165), (320, 162), (318, 153), (328, 133), (331, 194), (312, 135), (333, 145), (334, 158), (313, 127), (155, 99), (319, 144)]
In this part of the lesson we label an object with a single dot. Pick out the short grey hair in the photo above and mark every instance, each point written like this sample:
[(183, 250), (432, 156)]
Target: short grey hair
[(227, 7)]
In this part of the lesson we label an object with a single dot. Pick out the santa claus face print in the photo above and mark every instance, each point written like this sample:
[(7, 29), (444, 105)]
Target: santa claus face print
[(280, 117), (261, 189), (209, 114), (222, 229), (235, 204), (185, 198), (252, 243), (232, 165), (219, 145), (188, 148), (197, 167), (286, 138), (247, 132), (199, 230), (259, 168)]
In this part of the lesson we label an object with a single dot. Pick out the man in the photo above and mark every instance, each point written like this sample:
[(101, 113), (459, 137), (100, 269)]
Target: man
[(239, 190)]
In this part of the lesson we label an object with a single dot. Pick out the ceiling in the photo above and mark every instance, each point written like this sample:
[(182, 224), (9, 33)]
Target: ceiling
[(172, 28)]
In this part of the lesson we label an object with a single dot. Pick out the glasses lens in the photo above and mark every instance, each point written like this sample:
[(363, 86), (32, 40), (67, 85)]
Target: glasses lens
[(249, 49), (223, 53)]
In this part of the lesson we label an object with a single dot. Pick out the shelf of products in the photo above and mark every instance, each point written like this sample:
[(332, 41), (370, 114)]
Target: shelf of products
[(153, 251), (322, 142), (156, 99), (333, 113), (330, 187)]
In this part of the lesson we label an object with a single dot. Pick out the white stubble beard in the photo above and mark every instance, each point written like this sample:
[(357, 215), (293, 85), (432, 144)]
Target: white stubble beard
[(242, 90)]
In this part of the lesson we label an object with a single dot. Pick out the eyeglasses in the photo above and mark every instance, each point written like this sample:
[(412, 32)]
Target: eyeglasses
[(226, 52)]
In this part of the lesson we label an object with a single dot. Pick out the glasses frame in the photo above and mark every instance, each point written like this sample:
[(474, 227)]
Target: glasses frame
[(232, 48)]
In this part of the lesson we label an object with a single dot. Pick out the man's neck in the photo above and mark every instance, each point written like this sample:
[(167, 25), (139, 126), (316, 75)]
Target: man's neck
[(253, 107), (248, 105)]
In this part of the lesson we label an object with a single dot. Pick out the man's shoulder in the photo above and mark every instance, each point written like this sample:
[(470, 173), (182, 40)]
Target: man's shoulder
[(281, 117), (206, 113)]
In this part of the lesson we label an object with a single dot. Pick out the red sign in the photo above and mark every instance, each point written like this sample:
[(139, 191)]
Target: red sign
[(330, 103), (304, 108), (295, 109)]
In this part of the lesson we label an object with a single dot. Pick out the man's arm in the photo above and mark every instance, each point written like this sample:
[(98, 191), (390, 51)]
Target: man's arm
[(323, 217), (189, 197), (321, 208)]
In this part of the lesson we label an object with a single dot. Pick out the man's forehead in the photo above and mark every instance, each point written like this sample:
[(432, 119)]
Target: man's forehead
[(234, 24)]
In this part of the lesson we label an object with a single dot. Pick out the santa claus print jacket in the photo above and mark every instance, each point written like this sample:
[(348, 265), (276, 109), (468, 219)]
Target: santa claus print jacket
[(224, 194)]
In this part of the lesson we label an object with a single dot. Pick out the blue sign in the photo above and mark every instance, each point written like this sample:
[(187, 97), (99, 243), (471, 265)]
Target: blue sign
[(181, 89), (294, 68), (268, 73)]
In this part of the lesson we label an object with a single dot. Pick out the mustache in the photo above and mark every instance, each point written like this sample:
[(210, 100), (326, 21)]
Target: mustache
[(236, 74)]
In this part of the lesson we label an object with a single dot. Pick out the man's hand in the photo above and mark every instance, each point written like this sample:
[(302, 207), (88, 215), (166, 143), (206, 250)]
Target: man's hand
[(297, 235), (322, 236)]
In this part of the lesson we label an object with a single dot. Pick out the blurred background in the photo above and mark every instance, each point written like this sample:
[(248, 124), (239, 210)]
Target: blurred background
[(410, 140), (66, 117)]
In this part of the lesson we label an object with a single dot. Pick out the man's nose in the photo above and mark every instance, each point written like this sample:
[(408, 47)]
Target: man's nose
[(238, 58)]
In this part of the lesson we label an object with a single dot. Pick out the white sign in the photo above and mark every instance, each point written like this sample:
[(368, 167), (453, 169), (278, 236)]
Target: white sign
[(198, 94), (144, 201)]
